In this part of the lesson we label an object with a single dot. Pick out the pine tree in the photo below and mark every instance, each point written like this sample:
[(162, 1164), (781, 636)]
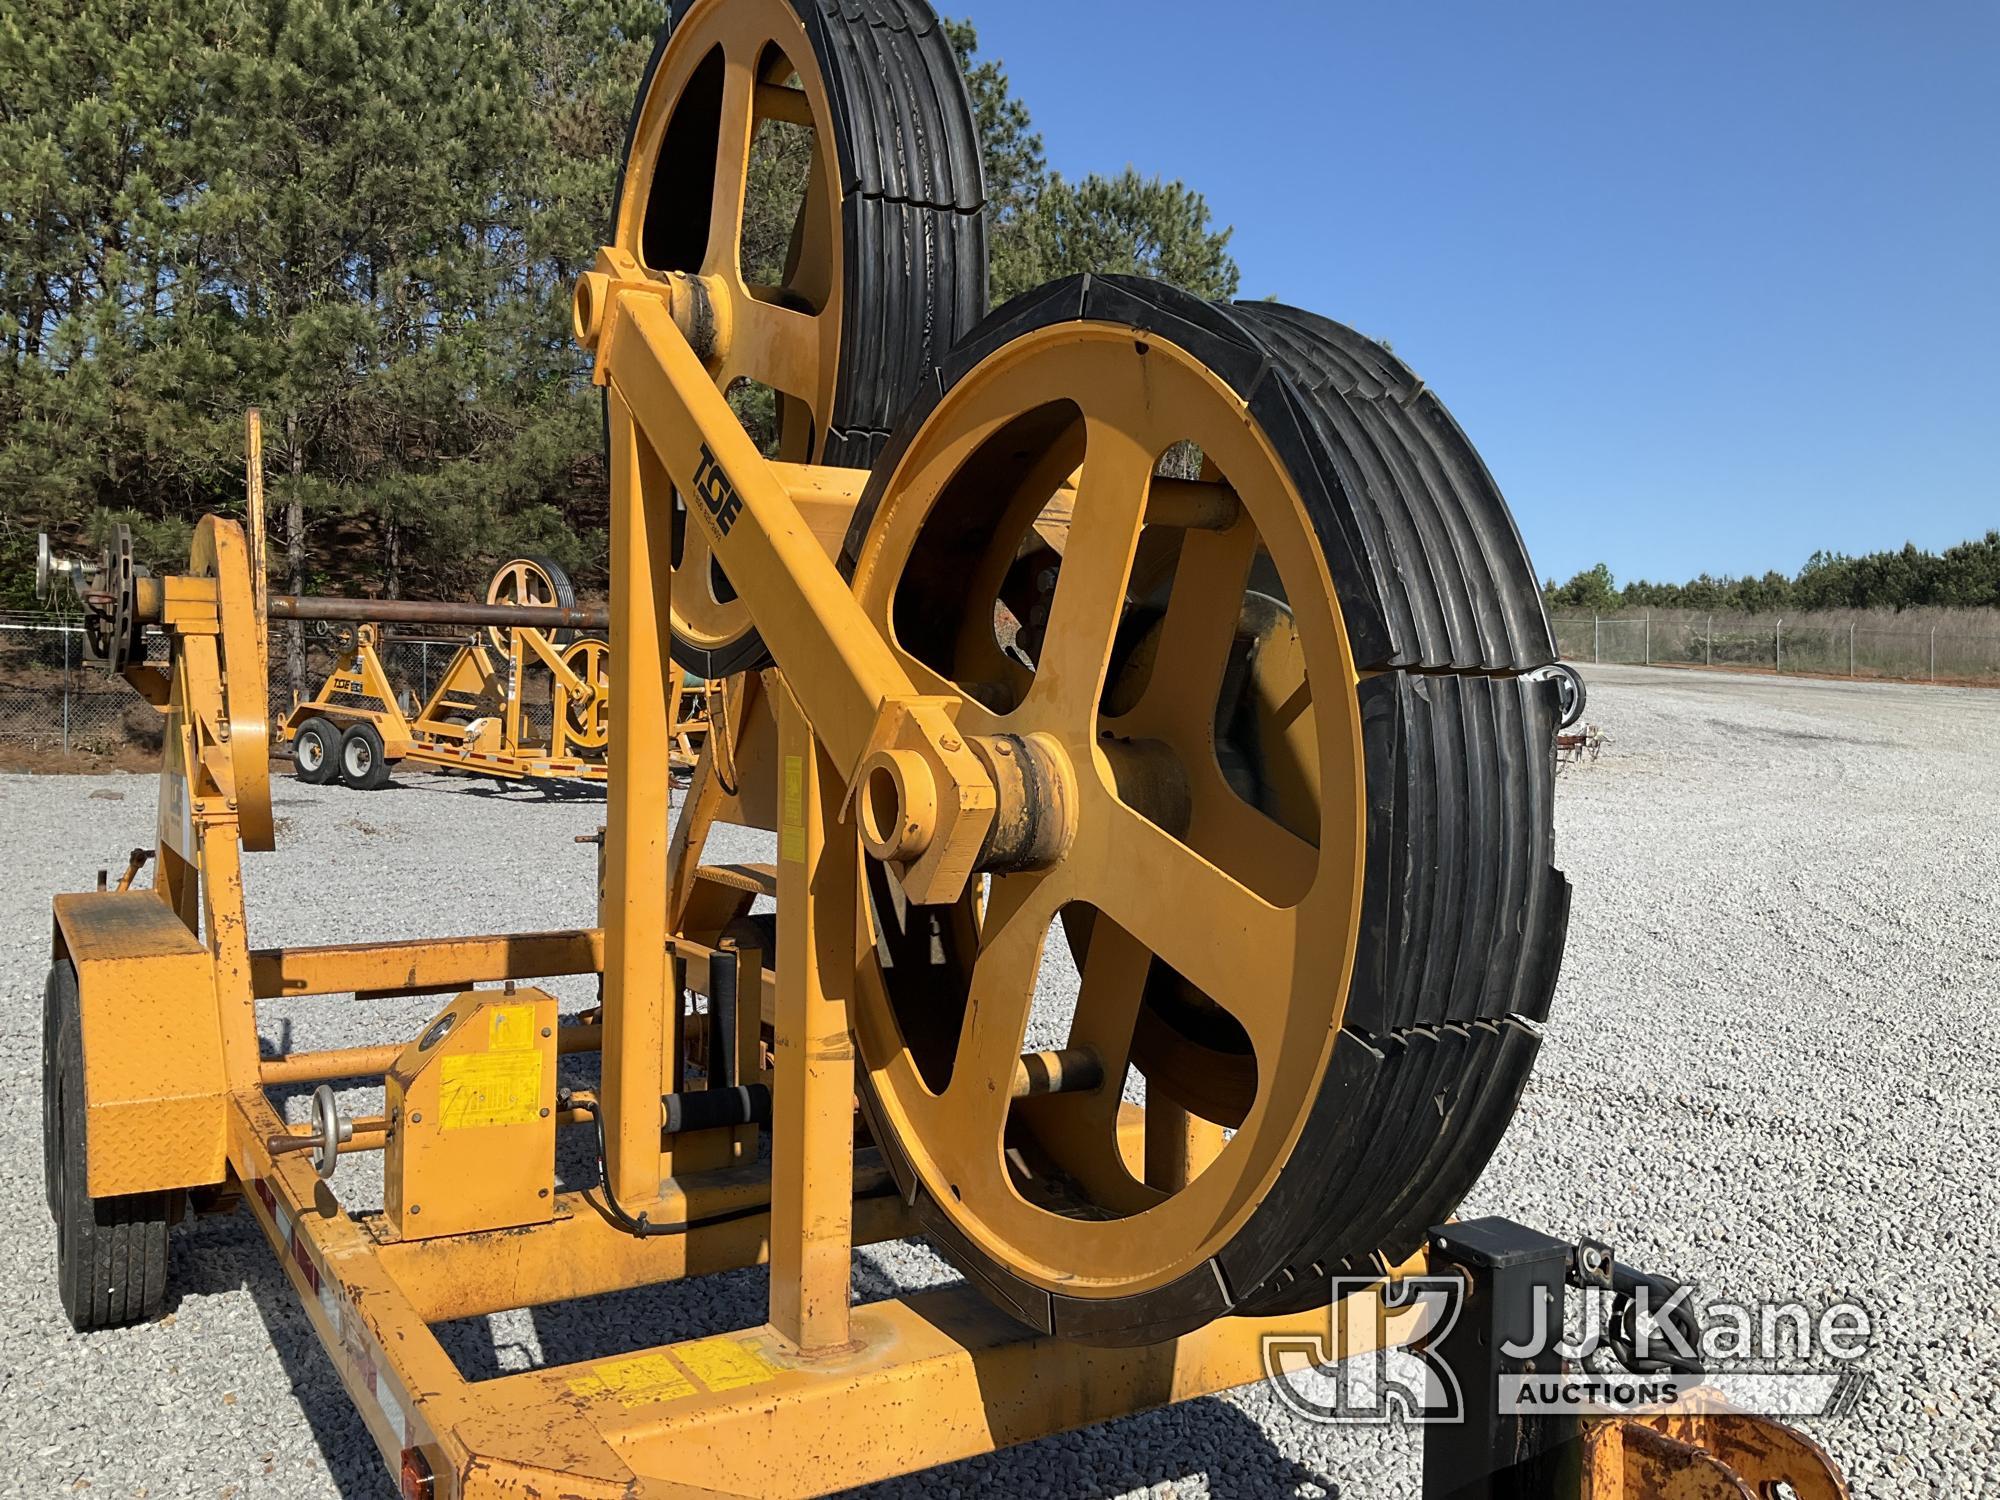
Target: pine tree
[(1133, 225), (1041, 226), (367, 218), (1016, 168)]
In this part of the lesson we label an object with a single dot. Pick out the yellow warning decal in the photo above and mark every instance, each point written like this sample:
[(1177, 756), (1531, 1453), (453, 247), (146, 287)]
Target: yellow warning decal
[(725, 1364), (490, 1088), (513, 1028), (792, 826), (640, 1381)]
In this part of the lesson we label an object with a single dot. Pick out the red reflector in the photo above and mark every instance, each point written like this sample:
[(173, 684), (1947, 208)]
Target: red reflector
[(304, 1258), (417, 1482)]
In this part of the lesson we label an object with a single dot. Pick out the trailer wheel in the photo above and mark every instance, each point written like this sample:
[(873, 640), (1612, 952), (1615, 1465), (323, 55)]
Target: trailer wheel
[(111, 1253), (363, 764), (51, 1023), (1571, 695), (316, 752)]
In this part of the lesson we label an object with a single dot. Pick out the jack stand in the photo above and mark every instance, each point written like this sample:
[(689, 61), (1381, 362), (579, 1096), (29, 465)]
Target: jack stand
[(1515, 1280)]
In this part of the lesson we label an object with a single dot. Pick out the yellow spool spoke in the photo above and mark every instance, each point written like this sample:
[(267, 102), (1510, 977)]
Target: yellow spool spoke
[(1243, 838), (811, 269), (1090, 593), (1192, 916), (732, 166), (1080, 1131), (1195, 638), (774, 346), (1018, 912)]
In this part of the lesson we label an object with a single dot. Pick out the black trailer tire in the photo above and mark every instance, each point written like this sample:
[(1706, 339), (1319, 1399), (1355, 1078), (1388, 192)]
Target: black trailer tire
[(364, 764), (1572, 697), (51, 1130), (111, 1253), (1462, 913), (316, 752)]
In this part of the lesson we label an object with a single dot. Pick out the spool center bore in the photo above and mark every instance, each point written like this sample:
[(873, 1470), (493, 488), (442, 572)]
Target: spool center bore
[(882, 810), (897, 805)]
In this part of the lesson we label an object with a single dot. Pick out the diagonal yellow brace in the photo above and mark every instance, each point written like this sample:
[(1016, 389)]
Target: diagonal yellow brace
[(863, 706)]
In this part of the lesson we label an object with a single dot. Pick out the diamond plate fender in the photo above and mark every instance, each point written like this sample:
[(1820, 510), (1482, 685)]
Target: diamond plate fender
[(154, 1081)]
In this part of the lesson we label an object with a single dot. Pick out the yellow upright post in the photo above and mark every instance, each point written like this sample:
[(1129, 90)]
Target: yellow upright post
[(637, 995), (253, 511), (1178, 1145), (812, 1109)]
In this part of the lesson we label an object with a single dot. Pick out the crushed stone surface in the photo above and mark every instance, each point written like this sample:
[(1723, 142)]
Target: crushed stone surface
[(1762, 1076)]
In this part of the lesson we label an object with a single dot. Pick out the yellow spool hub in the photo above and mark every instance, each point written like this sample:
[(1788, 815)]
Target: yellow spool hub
[(588, 721), (1121, 535), (538, 581), (829, 226)]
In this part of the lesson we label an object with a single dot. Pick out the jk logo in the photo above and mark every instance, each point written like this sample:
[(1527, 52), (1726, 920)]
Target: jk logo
[(1393, 1334), (718, 496)]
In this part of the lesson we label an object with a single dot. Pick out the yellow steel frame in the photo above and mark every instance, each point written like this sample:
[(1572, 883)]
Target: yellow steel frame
[(811, 1401)]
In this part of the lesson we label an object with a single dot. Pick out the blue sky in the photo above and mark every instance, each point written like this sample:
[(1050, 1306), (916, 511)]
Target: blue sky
[(1710, 285)]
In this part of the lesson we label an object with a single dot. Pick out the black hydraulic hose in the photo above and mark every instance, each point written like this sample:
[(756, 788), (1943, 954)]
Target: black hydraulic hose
[(643, 1227), (722, 971)]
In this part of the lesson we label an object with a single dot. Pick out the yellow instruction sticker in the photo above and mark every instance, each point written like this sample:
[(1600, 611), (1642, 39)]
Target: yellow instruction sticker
[(635, 1382), (724, 1364), (513, 1029), (490, 1088), (792, 825)]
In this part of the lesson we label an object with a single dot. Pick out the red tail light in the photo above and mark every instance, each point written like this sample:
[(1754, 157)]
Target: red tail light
[(417, 1481)]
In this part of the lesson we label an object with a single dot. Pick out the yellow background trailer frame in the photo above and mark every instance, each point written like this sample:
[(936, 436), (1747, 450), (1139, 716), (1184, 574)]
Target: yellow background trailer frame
[(473, 720)]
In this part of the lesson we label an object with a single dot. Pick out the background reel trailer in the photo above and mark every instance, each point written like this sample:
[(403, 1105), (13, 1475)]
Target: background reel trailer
[(357, 727), (1301, 691)]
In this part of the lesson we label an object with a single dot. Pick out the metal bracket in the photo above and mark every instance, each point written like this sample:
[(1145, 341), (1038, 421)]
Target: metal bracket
[(1515, 1279)]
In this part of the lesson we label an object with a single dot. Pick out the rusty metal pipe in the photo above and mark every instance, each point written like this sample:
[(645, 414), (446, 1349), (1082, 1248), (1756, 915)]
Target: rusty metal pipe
[(432, 612)]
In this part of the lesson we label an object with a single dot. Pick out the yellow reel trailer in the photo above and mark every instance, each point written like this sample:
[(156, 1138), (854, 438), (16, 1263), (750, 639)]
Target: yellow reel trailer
[(357, 728), (1260, 739)]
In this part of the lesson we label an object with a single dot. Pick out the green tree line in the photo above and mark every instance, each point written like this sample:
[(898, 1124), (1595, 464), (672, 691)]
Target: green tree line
[(366, 217), (1963, 577)]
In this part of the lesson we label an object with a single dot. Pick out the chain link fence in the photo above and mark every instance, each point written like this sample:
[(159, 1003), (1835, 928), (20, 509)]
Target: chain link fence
[(1774, 644), (53, 699)]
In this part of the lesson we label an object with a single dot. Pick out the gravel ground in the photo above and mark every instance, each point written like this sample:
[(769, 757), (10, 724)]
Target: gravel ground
[(1785, 927)]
